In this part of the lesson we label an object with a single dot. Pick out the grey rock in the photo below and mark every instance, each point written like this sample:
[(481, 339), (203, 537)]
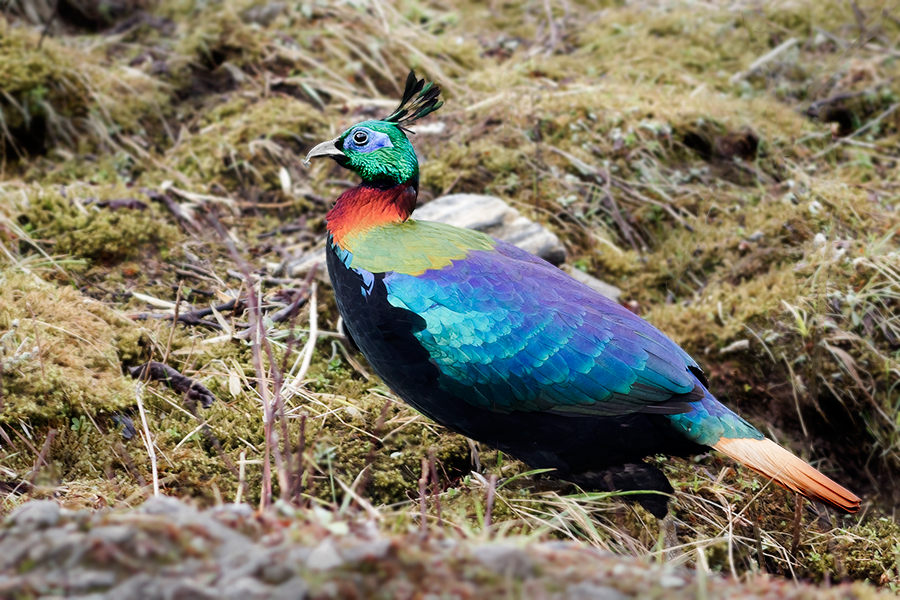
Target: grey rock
[(37, 514), (247, 588), (111, 534), (11, 586), (264, 14), (324, 557), (189, 590), (164, 505), (601, 287), (86, 580), (373, 550), (494, 217), (592, 591), (506, 559), (275, 573), (671, 582), (294, 588), (139, 587)]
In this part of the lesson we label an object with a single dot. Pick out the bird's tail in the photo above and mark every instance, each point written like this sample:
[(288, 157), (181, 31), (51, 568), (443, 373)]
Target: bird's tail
[(771, 460)]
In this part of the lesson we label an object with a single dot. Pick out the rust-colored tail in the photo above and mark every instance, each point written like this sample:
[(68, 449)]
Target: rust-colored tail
[(771, 460)]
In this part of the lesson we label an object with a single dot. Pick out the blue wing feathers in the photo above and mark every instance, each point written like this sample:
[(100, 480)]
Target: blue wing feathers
[(510, 332)]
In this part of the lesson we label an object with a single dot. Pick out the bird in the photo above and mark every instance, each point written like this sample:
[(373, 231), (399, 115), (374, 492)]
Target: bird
[(500, 346)]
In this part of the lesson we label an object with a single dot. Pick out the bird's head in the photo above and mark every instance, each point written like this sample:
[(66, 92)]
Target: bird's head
[(379, 151)]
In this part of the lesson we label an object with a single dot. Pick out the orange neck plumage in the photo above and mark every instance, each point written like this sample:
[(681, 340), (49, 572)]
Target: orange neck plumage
[(365, 207)]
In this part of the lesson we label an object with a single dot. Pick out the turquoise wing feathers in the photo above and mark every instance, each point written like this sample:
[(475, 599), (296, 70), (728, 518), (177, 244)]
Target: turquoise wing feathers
[(510, 332)]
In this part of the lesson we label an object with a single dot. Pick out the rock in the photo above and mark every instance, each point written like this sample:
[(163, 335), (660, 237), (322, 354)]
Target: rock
[(292, 589), (164, 505), (84, 580), (592, 591), (601, 287), (263, 14), (247, 588), (508, 560), (374, 550), (671, 582), (188, 590), (324, 557), (494, 217), (37, 514), (275, 573)]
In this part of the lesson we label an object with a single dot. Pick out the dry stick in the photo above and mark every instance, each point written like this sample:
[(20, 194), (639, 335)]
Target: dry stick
[(798, 522), (492, 491), (256, 326), (423, 483), (435, 487), (301, 447), (242, 473), (148, 441), (761, 558), (129, 464), (310, 344), (174, 323), (42, 456), (285, 470)]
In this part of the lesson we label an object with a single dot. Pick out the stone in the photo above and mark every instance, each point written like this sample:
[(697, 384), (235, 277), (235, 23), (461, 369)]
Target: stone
[(164, 505), (373, 550), (37, 514), (189, 590), (324, 557), (246, 588), (506, 559), (493, 216), (592, 591), (294, 588), (601, 287)]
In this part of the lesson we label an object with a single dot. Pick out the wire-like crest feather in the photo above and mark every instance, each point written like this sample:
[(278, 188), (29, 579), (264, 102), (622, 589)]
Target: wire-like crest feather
[(420, 98)]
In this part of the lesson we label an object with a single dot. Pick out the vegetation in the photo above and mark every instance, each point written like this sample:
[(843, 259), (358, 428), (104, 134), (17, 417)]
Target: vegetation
[(733, 170)]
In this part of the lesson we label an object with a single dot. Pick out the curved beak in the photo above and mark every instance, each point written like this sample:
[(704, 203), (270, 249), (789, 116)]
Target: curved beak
[(324, 149)]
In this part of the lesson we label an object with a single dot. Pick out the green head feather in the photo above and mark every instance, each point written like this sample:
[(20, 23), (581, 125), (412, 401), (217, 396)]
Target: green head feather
[(379, 151)]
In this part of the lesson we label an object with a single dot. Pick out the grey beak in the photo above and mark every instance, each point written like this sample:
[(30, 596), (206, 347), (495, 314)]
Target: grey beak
[(324, 149)]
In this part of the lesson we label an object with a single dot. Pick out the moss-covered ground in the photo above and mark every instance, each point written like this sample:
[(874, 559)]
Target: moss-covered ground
[(733, 169)]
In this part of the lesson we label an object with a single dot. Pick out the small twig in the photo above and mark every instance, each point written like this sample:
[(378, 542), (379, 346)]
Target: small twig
[(42, 457), (310, 347), (130, 466), (37, 340), (242, 472), (765, 58), (157, 371), (423, 484), (799, 501), (813, 110), (435, 486), (148, 441), (52, 18), (174, 321), (761, 558), (491, 493), (301, 447)]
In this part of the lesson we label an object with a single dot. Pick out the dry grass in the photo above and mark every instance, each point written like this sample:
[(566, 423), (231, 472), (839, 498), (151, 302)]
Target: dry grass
[(674, 161)]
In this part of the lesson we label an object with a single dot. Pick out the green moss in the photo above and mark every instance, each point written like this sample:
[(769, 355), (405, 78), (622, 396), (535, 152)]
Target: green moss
[(99, 235)]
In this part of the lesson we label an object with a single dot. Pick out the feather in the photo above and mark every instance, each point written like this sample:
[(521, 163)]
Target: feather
[(771, 460), (420, 99)]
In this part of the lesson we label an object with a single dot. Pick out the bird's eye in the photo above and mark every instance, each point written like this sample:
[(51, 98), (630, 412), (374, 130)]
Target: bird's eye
[(360, 137)]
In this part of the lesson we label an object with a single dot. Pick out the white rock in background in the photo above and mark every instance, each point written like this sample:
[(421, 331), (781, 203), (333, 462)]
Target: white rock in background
[(494, 217), (603, 288)]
